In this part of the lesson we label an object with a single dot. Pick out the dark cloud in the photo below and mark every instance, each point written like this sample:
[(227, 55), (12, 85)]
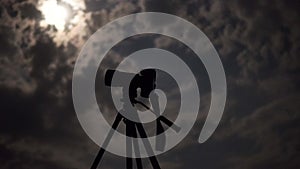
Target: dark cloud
[(273, 131), (29, 11), (258, 42)]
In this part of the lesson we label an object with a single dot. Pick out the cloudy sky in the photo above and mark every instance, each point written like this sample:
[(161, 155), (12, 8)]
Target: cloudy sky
[(258, 43)]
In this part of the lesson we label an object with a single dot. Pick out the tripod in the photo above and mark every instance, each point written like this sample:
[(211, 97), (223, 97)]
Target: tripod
[(131, 131), (145, 80)]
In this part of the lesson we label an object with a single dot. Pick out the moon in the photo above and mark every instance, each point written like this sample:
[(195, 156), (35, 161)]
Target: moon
[(55, 14)]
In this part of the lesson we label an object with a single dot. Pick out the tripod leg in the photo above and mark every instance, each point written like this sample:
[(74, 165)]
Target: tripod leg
[(154, 162), (162, 118), (147, 145), (98, 158), (129, 133), (136, 148), (169, 123), (139, 163), (129, 163), (106, 141)]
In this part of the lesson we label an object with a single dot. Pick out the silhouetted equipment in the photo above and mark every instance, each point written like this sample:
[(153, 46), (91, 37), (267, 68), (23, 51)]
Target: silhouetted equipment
[(145, 80)]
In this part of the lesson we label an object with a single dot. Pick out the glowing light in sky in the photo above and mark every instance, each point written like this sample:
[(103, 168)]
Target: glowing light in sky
[(54, 14), (67, 16)]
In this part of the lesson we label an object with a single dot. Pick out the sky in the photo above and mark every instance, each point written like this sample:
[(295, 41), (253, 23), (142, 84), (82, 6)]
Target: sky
[(258, 43)]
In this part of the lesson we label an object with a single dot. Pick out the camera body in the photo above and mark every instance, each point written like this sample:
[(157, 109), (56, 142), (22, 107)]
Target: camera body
[(145, 80)]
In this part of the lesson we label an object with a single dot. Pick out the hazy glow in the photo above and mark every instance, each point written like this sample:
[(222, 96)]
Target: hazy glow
[(54, 14), (67, 16)]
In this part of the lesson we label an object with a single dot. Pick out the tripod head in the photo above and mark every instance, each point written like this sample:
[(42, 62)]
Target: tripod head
[(143, 82)]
